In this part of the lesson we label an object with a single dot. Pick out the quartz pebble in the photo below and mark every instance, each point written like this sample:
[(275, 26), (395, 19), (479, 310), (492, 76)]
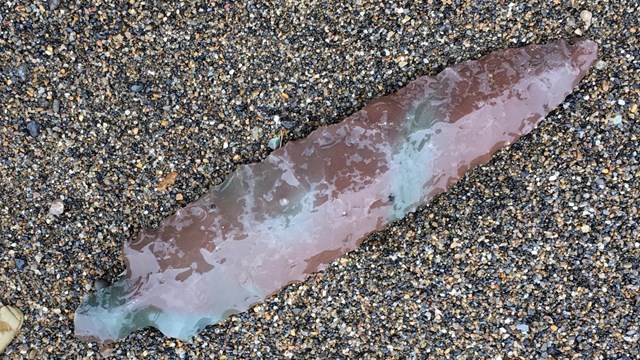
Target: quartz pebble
[(56, 207), (586, 17)]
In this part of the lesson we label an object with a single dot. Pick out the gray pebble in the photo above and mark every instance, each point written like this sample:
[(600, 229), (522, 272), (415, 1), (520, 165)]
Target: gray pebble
[(19, 264), (34, 128), (288, 124), (21, 71), (53, 4), (56, 106), (524, 328), (136, 87)]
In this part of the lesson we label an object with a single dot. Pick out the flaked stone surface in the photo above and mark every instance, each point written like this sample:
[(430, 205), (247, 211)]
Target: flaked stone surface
[(278, 221)]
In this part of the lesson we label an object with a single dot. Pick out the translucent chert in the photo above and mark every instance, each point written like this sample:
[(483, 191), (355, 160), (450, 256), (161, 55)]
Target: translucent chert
[(275, 222)]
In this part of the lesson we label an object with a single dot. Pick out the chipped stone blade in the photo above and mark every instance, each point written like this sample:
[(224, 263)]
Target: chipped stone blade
[(275, 222)]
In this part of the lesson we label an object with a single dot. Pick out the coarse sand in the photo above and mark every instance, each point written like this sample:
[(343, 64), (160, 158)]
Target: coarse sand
[(113, 115)]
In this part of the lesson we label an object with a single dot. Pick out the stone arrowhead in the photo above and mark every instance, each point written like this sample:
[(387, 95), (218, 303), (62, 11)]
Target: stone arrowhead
[(275, 222)]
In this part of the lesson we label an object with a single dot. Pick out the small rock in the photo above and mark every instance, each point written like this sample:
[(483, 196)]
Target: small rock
[(11, 319), (56, 106), (585, 228), (136, 87), (586, 16), (288, 124), (600, 64), (56, 208), (615, 120), (275, 142), (524, 328), (553, 351), (21, 71), (167, 181), (255, 133), (53, 4), (34, 128), (19, 263), (179, 197)]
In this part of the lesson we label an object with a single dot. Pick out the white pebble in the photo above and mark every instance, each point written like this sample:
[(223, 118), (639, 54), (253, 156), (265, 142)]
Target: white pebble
[(616, 120), (601, 64), (586, 16), (56, 208)]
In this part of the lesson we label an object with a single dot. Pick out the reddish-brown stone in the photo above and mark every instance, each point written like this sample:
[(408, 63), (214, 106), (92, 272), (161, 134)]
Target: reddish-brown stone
[(275, 222)]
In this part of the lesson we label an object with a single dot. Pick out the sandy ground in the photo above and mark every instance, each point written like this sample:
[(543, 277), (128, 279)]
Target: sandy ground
[(534, 255)]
